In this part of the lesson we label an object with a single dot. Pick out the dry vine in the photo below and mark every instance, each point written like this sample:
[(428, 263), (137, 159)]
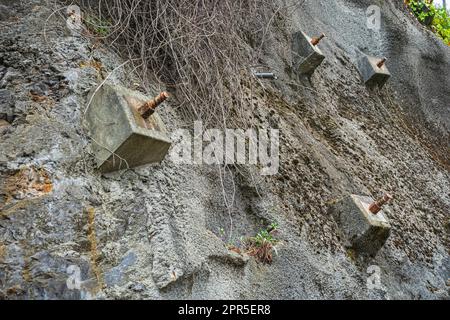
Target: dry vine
[(201, 50)]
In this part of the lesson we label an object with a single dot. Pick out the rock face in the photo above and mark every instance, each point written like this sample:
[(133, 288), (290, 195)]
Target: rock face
[(157, 232), (122, 138)]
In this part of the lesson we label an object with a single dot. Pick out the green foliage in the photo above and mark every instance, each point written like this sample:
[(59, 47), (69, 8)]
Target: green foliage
[(420, 9), (441, 25), (264, 236), (97, 25), (427, 13)]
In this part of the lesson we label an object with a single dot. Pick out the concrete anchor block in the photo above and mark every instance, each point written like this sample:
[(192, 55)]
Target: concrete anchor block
[(307, 57), (122, 138), (4, 125), (373, 70), (367, 232)]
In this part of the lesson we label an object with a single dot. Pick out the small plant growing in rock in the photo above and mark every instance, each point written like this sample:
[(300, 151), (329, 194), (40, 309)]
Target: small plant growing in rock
[(262, 245)]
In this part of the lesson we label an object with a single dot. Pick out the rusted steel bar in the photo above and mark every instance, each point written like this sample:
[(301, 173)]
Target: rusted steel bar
[(376, 206), (315, 41), (149, 107), (381, 63)]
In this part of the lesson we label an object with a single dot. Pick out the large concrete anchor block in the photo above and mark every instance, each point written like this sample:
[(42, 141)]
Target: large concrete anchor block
[(125, 136), (363, 222), (306, 54), (373, 71)]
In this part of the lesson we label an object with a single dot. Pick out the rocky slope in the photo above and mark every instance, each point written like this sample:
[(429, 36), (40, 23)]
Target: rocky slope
[(153, 232)]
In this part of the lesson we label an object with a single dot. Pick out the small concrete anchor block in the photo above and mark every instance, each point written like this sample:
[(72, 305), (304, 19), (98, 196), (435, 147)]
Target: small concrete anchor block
[(307, 56), (121, 137), (373, 70), (367, 232)]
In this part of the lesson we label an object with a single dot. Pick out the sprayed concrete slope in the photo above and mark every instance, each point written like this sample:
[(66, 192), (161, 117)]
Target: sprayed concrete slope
[(153, 232)]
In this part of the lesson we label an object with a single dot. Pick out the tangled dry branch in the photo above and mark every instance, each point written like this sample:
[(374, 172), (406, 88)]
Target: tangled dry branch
[(201, 50)]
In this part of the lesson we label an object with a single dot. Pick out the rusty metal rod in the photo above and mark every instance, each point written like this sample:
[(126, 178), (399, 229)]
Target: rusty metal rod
[(381, 63), (149, 107), (376, 206), (315, 41), (266, 75)]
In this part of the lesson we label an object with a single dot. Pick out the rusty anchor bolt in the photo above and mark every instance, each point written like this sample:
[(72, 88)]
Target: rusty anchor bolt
[(381, 63), (149, 107), (375, 207), (315, 41)]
